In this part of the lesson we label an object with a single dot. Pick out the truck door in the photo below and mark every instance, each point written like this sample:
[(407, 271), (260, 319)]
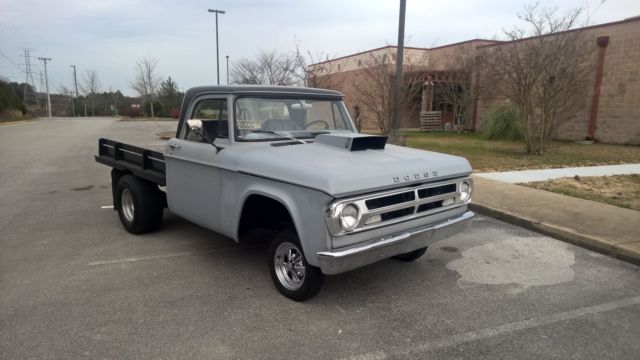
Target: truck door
[(193, 170)]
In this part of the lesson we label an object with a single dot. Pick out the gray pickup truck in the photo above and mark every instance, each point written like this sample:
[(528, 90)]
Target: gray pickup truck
[(288, 164)]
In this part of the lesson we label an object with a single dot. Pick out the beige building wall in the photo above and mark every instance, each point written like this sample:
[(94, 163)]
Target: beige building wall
[(618, 116)]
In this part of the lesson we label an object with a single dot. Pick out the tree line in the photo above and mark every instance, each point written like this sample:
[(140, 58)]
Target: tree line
[(157, 96)]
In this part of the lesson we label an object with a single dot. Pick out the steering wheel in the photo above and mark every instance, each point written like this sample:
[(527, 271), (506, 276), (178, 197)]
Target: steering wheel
[(326, 124)]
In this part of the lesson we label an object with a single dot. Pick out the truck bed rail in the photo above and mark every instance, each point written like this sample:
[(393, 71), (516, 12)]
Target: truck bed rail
[(144, 163)]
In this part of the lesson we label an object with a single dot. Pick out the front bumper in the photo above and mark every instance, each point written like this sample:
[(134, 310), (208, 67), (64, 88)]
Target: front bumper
[(339, 261)]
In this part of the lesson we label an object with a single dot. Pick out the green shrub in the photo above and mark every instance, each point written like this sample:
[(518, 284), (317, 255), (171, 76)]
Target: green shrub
[(504, 124)]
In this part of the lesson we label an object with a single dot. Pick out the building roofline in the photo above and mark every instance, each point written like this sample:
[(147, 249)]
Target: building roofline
[(354, 54), (495, 42), (463, 42), (394, 46), (613, 23), (406, 47)]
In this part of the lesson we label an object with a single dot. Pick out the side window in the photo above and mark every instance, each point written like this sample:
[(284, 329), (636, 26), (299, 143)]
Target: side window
[(215, 119)]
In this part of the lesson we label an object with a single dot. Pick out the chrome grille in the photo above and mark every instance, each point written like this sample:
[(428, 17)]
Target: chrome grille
[(399, 205), (390, 200)]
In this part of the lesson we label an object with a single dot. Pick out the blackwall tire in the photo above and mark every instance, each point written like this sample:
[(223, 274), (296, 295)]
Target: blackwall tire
[(139, 204), (411, 256), (290, 272)]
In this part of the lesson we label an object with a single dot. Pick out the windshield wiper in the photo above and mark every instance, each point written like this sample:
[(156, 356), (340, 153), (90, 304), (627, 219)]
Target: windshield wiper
[(319, 132), (279, 134)]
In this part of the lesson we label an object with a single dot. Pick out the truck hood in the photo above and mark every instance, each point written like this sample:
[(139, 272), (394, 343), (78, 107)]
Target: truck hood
[(339, 172)]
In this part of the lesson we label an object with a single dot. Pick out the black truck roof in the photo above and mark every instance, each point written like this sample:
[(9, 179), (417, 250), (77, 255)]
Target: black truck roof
[(258, 89)]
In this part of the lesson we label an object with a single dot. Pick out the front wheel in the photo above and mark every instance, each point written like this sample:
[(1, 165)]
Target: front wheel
[(290, 272), (412, 255)]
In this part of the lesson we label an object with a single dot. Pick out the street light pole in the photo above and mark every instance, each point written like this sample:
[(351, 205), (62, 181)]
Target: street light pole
[(217, 48), (397, 91), (227, 69)]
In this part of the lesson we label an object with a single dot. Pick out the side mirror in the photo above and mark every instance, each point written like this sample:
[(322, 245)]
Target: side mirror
[(195, 125)]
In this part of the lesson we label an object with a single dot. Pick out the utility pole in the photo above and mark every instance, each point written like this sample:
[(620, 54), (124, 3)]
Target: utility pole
[(227, 69), (396, 137), (46, 81), (75, 82), (217, 49)]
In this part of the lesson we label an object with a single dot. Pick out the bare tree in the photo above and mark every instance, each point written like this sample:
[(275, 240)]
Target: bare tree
[(146, 80), (547, 76), (90, 86), (115, 96), (376, 93), (316, 70), (270, 67), (464, 81), (66, 92)]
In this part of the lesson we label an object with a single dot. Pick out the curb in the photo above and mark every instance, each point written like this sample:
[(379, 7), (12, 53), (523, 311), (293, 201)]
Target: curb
[(569, 235)]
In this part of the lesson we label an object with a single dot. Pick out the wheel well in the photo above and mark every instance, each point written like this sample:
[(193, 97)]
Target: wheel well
[(117, 174), (261, 212)]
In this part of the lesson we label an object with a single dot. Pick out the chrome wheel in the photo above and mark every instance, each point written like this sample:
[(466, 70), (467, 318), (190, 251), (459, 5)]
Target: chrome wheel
[(126, 202), (289, 266)]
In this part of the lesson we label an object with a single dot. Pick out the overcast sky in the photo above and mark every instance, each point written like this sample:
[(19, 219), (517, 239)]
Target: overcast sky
[(110, 35)]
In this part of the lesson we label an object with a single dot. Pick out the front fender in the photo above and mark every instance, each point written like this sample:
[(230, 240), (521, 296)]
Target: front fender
[(305, 206)]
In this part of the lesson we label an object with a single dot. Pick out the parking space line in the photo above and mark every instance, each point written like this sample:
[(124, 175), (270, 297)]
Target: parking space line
[(163, 256), (501, 329), (106, 207)]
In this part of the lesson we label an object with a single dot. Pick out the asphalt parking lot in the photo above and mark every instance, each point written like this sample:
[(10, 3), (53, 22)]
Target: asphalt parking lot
[(74, 284)]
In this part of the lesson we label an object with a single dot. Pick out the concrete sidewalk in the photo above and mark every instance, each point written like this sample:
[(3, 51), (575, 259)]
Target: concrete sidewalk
[(524, 176), (605, 228)]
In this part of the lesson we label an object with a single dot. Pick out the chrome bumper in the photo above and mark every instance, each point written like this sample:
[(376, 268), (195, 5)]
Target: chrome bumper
[(339, 261)]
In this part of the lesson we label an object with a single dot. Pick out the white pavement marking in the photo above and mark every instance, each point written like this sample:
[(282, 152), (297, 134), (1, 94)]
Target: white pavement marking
[(106, 207), (501, 329), (164, 256), (524, 176)]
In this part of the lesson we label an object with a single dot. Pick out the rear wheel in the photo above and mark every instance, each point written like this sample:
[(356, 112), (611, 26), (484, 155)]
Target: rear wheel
[(412, 255), (290, 272), (139, 204)]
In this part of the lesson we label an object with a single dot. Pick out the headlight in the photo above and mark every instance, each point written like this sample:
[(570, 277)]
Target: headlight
[(349, 217), (465, 191)]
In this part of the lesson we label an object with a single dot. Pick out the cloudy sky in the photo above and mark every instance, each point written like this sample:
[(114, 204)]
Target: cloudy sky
[(109, 35)]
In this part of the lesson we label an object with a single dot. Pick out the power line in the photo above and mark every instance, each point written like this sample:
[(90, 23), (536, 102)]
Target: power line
[(17, 34), (10, 61)]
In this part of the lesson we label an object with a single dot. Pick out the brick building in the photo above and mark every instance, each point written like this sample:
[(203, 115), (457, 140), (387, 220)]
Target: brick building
[(611, 114)]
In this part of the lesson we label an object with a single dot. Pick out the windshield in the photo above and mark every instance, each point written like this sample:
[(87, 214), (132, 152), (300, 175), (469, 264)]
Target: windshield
[(260, 119)]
